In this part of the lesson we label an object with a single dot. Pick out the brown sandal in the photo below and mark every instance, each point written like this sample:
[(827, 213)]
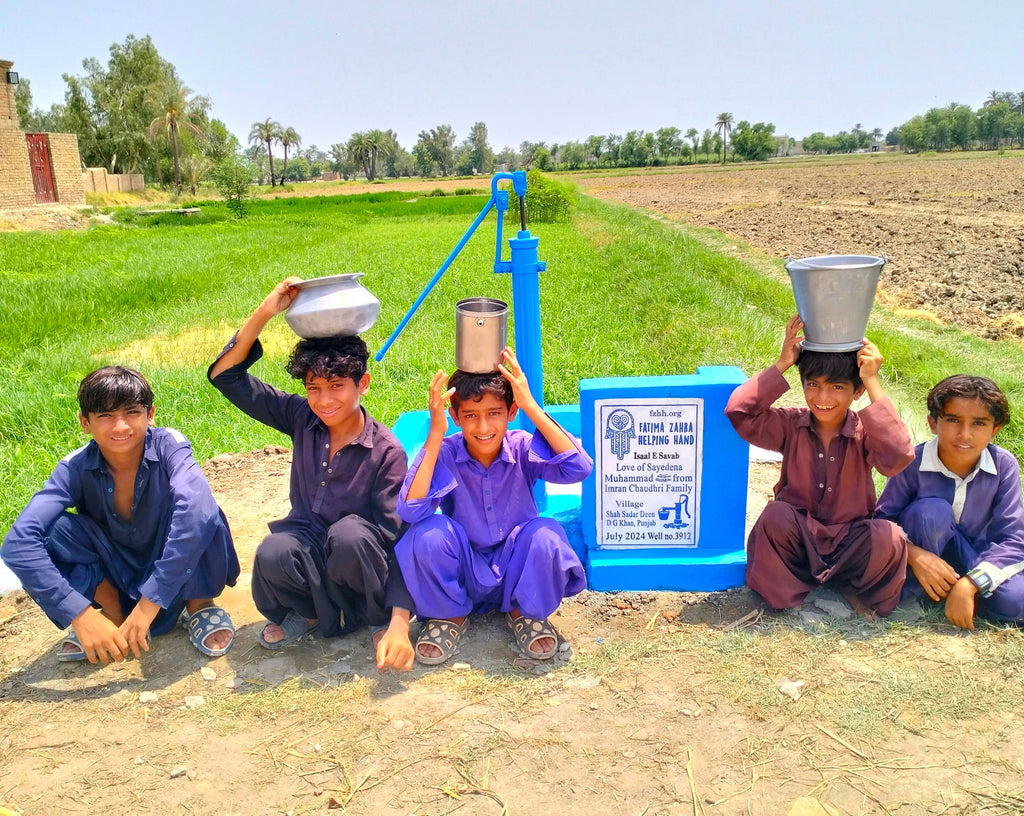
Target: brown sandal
[(443, 635), (528, 631)]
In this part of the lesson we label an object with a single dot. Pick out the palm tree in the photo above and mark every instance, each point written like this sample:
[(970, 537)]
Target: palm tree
[(176, 112), (266, 132), (287, 138), (367, 147), (724, 124)]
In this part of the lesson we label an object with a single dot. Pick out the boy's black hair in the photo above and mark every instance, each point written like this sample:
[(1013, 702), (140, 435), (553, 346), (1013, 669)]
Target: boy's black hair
[(967, 387), (834, 366), (329, 357), (473, 386), (113, 387)]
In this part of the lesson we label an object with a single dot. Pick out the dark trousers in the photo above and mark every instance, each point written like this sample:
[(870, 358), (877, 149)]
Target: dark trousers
[(338, 580)]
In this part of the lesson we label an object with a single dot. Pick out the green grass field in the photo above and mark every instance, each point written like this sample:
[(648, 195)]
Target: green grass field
[(623, 295)]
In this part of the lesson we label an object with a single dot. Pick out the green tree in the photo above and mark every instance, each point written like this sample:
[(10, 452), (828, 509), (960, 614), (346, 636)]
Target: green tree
[(723, 124), (754, 142), (542, 158), (434, 151), (176, 112), (288, 137), (475, 153), (573, 155), (368, 148), (595, 148), (694, 136), (669, 142), (266, 132), (233, 179), (23, 103), (342, 161)]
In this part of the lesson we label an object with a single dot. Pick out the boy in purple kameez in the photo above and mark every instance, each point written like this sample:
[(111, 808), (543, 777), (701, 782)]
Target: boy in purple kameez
[(489, 548), (819, 528), (960, 505), (326, 565), (147, 545)]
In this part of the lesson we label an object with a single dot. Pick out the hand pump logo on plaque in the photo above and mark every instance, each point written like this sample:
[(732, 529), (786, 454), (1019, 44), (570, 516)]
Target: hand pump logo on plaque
[(648, 463)]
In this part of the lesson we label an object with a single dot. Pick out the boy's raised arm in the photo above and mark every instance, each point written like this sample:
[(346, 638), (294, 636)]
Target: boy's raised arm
[(552, 432), (869, 359), (420, 485), (279, 299)]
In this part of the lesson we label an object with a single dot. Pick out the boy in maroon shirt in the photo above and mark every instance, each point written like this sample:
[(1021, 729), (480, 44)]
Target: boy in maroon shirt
[(819, 528)]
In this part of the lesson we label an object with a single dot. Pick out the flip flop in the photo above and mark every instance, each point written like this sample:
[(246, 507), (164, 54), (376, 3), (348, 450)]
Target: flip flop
[(443, 635), (528, 631), (294, 627), (203, 623), (70, 657)]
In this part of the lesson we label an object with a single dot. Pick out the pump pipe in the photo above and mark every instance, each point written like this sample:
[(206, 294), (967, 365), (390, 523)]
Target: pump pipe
[(433, 281)]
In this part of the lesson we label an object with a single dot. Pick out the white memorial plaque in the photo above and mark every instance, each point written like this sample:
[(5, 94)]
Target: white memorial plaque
[(648, 471)]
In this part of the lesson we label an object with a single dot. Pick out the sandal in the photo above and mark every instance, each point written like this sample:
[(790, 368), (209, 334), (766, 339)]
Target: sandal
[(443, 635), (528, 631), (203, 623), (72, 656), (294, 627)]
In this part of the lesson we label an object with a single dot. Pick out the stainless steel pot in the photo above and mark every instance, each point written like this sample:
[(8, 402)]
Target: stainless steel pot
[(335, 305), (481, 330)]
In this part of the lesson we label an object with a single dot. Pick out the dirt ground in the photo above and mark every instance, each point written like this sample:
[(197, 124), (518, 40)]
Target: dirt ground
[(951, 227), (661, 704)]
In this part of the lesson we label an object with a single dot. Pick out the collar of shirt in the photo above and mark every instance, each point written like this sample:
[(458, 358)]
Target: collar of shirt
[(849, 424), (94, 459), (931, 462), (462, 452)]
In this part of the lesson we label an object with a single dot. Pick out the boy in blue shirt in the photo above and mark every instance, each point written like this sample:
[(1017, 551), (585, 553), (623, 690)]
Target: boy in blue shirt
[(960, 505), (147, 545)]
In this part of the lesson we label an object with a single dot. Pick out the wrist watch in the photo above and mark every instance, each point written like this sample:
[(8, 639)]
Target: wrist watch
[(982, 580)]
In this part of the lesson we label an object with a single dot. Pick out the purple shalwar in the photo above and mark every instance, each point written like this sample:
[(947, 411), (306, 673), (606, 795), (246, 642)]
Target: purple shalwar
[(329, 558), (175, 548), (819, 528), (489, 548), (976, 522)]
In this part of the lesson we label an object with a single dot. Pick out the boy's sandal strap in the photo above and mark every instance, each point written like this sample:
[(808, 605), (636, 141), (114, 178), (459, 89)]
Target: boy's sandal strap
[(528, 631), (203, 623), (444, 635), (72, 656)]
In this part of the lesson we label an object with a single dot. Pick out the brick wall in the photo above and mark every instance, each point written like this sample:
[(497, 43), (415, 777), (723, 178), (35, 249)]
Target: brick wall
[(16, 188), (67, 168), (8, 109), (98, 180)]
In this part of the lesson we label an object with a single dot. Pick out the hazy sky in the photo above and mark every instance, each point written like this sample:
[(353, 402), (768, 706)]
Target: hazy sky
[(542, 71)]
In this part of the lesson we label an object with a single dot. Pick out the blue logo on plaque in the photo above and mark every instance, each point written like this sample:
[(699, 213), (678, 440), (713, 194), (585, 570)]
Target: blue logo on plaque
[(620, 429)]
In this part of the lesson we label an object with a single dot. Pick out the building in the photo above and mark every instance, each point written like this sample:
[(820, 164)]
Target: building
[(35, 168)]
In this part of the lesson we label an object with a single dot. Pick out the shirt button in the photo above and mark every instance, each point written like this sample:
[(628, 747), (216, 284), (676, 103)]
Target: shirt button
[(330, 470), (322, 484), (323, 464), (821, 455), (821, 485), (831, 458), (110, 490)]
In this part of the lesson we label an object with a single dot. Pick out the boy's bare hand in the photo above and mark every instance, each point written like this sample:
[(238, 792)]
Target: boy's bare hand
[(960, 604), (136, 625), (101, 640), (790, 344), (934, 575), (281, 296), (395, 650), (869, 359), (438, 403), (513, 372)]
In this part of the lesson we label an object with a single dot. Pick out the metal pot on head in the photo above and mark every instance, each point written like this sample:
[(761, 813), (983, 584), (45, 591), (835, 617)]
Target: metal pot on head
[(834, 294), (481, 332), (331, 306)]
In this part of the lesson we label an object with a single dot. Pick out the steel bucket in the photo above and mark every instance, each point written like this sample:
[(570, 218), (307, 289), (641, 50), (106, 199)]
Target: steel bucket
[(481, 328), (833, 296), (335, 305)]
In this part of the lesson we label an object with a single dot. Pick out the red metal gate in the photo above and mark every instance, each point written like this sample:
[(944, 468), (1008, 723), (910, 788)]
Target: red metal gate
[(42, 171)]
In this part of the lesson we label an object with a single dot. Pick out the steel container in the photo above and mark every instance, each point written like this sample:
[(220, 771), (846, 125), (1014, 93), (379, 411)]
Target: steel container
[(834, 294), (481, 331), (335, 305)]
